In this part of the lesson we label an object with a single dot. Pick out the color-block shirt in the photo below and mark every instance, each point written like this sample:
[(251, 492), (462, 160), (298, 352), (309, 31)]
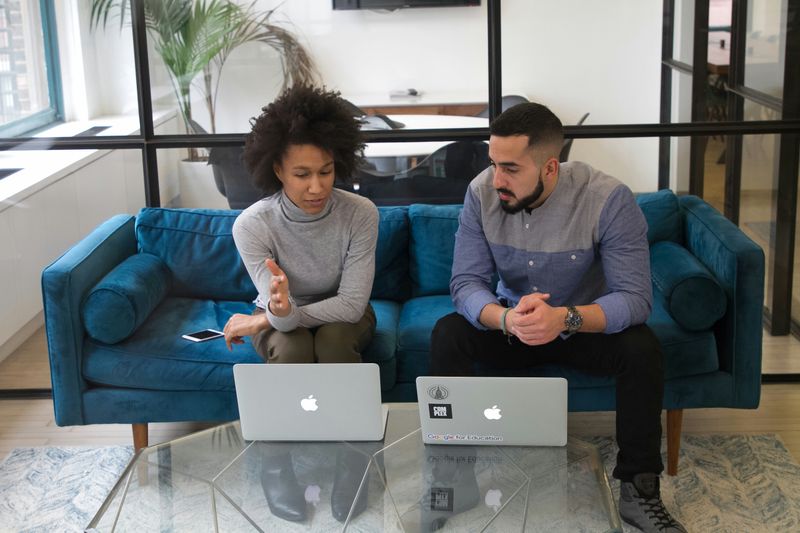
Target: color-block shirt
[(328, 258), (586, 244)]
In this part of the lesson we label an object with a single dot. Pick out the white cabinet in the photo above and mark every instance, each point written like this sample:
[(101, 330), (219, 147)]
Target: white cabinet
[(8, 270), (30, 243), (101, 190), (62, 224), (36, 230)]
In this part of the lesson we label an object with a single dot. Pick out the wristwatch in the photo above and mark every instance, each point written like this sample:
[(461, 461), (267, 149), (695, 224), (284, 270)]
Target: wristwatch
[(574, 320)]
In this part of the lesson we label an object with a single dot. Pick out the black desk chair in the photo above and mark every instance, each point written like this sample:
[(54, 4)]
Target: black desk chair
[(567, 146), (440, 178), (509, 100)]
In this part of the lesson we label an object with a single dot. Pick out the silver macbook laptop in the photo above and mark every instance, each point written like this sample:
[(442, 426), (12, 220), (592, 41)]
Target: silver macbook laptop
[(309, 402), (496, 411)]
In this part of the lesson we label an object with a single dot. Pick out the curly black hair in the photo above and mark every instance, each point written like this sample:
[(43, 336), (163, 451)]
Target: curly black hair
[(302, 115)]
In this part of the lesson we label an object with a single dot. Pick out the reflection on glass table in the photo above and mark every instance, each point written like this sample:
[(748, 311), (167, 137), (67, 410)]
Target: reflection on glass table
[(216, 481)]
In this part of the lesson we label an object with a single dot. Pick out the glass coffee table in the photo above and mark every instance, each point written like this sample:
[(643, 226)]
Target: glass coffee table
[(214, 480)]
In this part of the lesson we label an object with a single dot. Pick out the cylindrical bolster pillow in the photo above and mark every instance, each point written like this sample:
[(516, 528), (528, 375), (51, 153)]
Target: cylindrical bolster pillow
[(694, 298), (125, 297)]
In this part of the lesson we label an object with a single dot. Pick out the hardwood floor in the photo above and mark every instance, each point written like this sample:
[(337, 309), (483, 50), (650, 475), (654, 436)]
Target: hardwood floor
[(31, 422)]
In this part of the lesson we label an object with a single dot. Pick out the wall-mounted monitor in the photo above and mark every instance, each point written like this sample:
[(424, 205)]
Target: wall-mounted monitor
[(398, 4)]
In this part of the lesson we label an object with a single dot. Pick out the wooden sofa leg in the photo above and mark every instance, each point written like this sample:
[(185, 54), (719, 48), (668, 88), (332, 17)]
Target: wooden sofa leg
[(674, 421), (139, 436)]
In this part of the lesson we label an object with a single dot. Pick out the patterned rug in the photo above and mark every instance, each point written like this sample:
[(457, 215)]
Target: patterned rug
[(57, 489), (726, 483)]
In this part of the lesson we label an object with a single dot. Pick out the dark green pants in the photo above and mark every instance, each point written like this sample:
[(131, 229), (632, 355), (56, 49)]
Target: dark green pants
[(338, 342)]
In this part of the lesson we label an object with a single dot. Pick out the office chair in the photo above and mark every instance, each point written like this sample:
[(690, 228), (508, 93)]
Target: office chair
[(567, 146), (440, 178), (509, 100), (233, 181), (375, 121)]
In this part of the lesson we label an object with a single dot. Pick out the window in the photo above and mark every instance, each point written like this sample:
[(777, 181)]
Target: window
[(29, 76)]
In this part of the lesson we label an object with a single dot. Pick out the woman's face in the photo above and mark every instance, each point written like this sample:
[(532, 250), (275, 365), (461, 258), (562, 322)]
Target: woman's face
[(307, 175)]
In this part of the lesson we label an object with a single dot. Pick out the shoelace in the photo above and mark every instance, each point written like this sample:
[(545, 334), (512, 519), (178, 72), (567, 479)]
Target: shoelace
[(655, 510)]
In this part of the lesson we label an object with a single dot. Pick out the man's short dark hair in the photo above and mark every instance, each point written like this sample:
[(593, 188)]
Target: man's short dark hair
[(302, 115), (536, 121)]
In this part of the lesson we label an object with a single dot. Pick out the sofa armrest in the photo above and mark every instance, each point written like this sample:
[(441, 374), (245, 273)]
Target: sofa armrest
[(738, 264), (65, 284)]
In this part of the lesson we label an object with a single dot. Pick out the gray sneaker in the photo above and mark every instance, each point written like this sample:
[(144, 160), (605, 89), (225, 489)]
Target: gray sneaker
[(640, 505)]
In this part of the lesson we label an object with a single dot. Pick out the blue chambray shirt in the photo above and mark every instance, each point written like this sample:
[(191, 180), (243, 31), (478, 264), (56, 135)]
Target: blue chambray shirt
[(586, 244)]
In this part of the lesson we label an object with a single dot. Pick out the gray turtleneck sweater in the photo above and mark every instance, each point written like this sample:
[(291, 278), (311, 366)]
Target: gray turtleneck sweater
[(328, 258)]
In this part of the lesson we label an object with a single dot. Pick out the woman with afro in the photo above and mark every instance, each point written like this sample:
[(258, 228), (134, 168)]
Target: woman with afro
[(308, 247)]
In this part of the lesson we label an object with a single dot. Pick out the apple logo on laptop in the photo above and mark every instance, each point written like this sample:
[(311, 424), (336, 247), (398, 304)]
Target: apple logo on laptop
[(309, 404), (493, 499), (312, 494), (493, 413)]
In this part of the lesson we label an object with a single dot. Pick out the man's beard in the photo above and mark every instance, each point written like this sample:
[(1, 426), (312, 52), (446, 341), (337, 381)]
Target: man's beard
[(522, 203)]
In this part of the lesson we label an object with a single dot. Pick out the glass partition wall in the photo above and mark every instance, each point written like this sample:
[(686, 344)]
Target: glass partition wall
[(427, 81), (735, 73)]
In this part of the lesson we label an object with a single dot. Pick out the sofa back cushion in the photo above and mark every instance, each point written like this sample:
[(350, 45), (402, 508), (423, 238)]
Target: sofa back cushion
[(197, 246), (391, 256), (433, 233), (663, 215)]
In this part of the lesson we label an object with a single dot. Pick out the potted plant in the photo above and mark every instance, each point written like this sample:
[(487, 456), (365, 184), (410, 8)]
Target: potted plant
[(194, 38)]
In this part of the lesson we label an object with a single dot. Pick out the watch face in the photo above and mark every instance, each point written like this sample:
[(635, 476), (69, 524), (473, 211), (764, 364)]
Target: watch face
[(574, 320)]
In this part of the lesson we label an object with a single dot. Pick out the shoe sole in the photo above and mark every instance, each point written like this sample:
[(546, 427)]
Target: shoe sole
[(631, 523)]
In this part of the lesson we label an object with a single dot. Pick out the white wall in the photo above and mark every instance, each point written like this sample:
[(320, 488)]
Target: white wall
[(36, 230), (572, 55), (42, 222), (600, 57)]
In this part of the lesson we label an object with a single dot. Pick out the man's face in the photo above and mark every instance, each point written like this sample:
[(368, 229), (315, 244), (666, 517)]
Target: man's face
[(517, 178)]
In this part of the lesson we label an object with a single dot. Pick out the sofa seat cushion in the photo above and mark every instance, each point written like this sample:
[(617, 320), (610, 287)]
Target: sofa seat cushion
[(382, 348), (417, 319), (157, 358), (686, 353)]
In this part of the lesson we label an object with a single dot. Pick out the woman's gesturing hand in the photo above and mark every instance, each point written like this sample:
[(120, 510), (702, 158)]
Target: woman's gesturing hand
[(278, 290)]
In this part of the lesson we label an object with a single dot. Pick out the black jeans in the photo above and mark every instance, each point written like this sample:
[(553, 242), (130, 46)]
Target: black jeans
[(632, 356)]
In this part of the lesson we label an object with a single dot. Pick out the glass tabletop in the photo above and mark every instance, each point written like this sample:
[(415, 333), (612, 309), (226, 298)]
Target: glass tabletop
[(214, 480)]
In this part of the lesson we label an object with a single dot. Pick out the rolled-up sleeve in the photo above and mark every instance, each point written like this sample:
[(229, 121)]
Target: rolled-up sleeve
[(625, 256), (473, 265)]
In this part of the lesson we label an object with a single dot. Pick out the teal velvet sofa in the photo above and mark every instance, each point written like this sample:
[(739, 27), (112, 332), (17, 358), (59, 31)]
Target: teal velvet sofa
[(118, 301)]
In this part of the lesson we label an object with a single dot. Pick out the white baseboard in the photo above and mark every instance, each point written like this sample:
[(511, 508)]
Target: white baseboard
[(24, 333)]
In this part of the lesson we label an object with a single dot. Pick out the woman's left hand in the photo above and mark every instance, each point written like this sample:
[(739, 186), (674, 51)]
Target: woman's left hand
[(278, 290), (240, 325)]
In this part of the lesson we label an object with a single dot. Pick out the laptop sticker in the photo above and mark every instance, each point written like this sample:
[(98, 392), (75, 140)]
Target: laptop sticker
[(440, 410)]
